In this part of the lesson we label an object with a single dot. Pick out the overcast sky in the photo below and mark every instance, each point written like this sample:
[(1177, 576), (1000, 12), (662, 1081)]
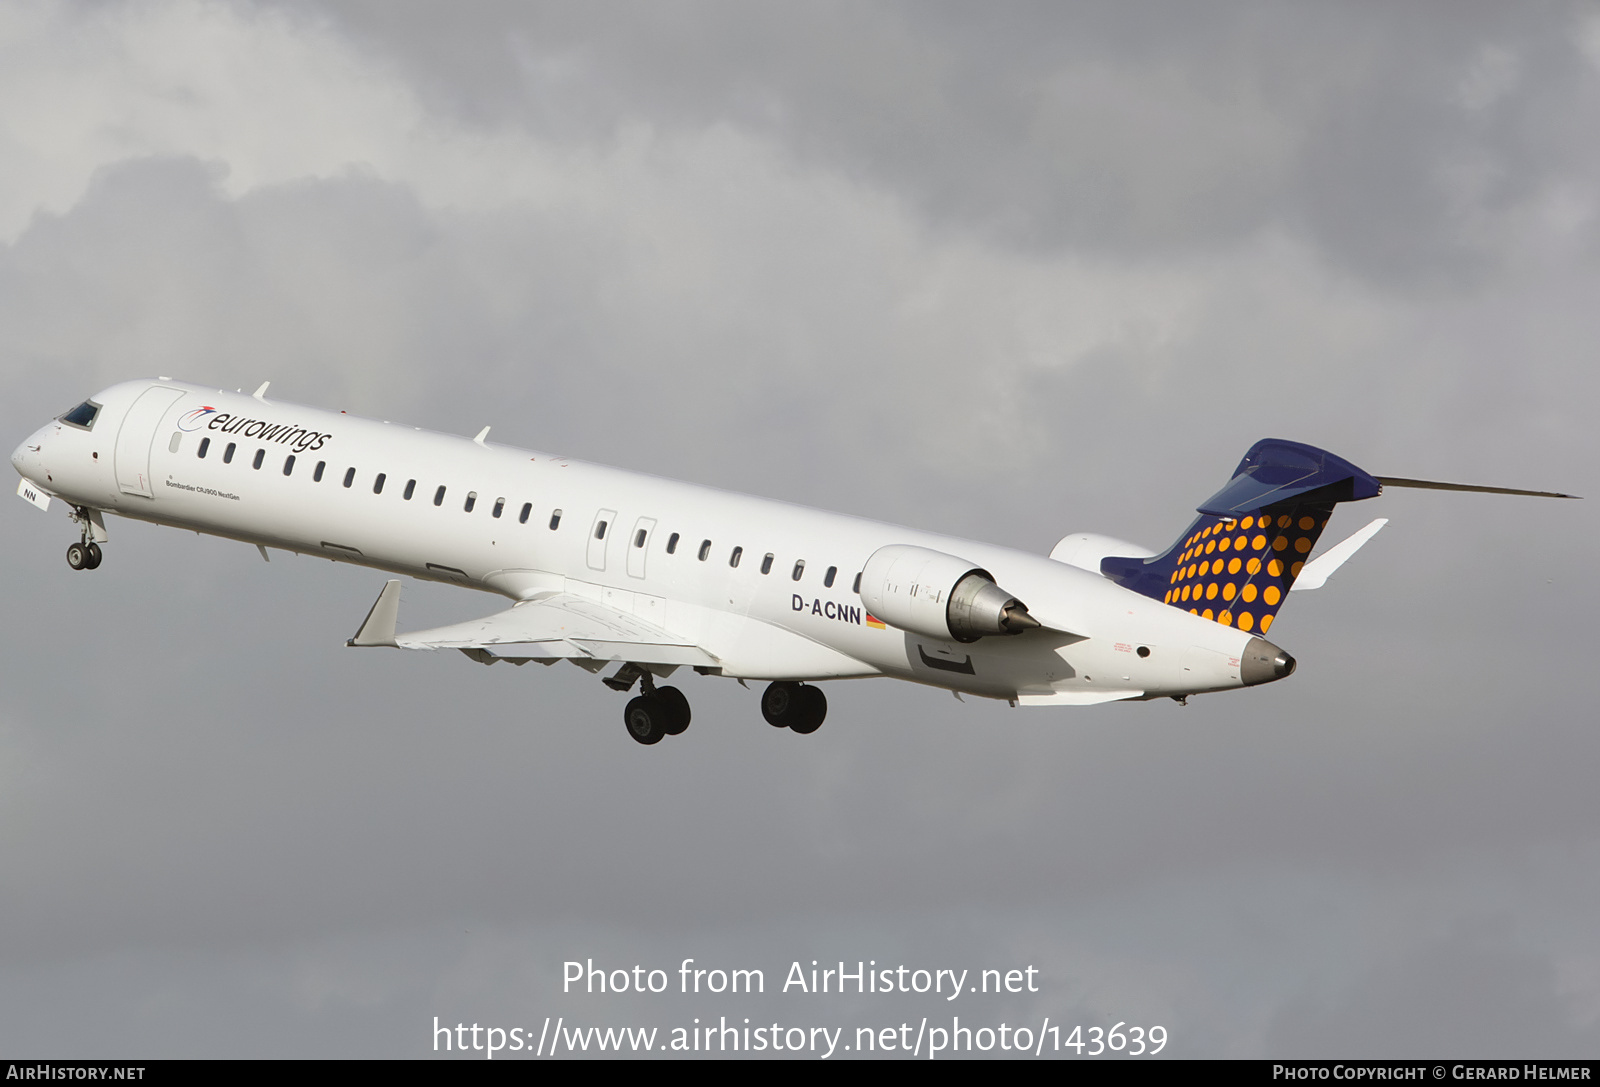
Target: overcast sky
[(1007, 271)]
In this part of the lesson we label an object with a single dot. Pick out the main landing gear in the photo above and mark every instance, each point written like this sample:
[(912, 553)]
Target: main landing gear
[(658, 712), (664, 711), (795, 706)]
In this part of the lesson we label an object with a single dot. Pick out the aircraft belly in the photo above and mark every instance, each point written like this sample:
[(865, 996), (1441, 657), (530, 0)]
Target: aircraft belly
[(991, 667), (749, 648)]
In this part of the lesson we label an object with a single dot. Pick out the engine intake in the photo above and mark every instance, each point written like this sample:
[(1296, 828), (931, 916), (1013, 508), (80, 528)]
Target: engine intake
[(940, 596)]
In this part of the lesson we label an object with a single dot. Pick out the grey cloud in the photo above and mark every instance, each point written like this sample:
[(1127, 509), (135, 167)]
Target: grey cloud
[(1381, 136), (1498, 987)]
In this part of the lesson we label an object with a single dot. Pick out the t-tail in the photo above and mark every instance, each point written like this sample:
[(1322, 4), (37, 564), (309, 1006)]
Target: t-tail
[(1238, 560)]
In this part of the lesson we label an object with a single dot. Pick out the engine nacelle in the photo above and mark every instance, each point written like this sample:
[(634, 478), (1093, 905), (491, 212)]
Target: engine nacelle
[(1085, 550), (939, 596)]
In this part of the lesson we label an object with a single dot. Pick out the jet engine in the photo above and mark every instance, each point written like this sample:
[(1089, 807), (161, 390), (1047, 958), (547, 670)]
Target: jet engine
[(939, 596), (1085, 550)]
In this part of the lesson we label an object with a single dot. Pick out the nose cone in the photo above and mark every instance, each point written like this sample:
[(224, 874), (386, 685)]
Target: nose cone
[(1263, 662), (28, 458)]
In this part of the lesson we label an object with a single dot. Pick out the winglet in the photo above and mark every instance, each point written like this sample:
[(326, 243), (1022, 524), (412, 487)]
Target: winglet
[(1315, 574), (378, 628), (482, 434), (261, 393)]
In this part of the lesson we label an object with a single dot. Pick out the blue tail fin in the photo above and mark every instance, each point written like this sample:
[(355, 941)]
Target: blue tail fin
[(1236, 562)]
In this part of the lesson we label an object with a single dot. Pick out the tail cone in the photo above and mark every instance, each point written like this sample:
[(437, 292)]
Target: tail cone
[(1264, 662)]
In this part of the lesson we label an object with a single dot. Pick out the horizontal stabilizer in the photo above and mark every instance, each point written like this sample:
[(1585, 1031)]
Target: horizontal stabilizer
[(1278, 473), (1430, 485), (1315, 574)]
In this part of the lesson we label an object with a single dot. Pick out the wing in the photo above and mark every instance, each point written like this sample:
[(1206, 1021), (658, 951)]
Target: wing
[(557, 626)]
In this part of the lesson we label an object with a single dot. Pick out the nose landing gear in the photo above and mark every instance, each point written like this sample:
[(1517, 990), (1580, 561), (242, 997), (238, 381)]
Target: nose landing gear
[(85, 555)]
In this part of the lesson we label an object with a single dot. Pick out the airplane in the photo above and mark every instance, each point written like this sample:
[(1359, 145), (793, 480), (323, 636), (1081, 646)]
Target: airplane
[(609, 567)]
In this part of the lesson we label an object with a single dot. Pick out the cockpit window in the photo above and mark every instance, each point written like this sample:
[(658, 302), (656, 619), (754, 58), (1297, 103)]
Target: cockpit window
[(82, 416)]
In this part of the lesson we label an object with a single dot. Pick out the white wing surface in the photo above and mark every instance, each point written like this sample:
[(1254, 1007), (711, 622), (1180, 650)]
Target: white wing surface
[(553, 627), (1315, 574)]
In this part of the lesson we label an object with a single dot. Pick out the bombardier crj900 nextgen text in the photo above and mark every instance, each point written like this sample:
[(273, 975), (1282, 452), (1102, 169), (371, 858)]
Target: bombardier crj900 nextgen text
[(606, 567)]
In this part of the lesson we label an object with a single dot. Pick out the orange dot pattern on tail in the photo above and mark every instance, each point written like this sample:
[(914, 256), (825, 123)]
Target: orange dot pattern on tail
[(1257, 570)]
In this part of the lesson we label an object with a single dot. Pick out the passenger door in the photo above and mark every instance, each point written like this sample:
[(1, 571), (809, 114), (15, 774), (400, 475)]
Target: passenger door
[(138, 434), (600, 534), (639, 545)]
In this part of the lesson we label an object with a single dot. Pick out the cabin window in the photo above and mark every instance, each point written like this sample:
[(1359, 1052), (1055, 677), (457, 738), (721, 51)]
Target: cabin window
[(766, 564), (799, 568), (733, 559), (499, 506), (856, 588), (377, 484), (349, 476), (638, 538), (261, 455), (227, 454), (672, 544), (316, 476), (827, 579), (205, 444), (411, 486), (438, 496), (472, 500), (705, 549), (288, 464), (600, 530), (177, 440), (527, 508), (555, 520)]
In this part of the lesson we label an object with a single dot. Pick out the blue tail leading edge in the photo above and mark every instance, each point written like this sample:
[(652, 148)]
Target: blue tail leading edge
[(1237, 561)]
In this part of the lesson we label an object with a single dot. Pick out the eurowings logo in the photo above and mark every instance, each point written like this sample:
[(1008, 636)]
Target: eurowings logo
[(196, 419)]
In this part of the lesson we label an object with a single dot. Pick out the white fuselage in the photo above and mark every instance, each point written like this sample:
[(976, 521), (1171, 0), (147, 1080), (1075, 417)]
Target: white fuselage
[(484, 516)]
